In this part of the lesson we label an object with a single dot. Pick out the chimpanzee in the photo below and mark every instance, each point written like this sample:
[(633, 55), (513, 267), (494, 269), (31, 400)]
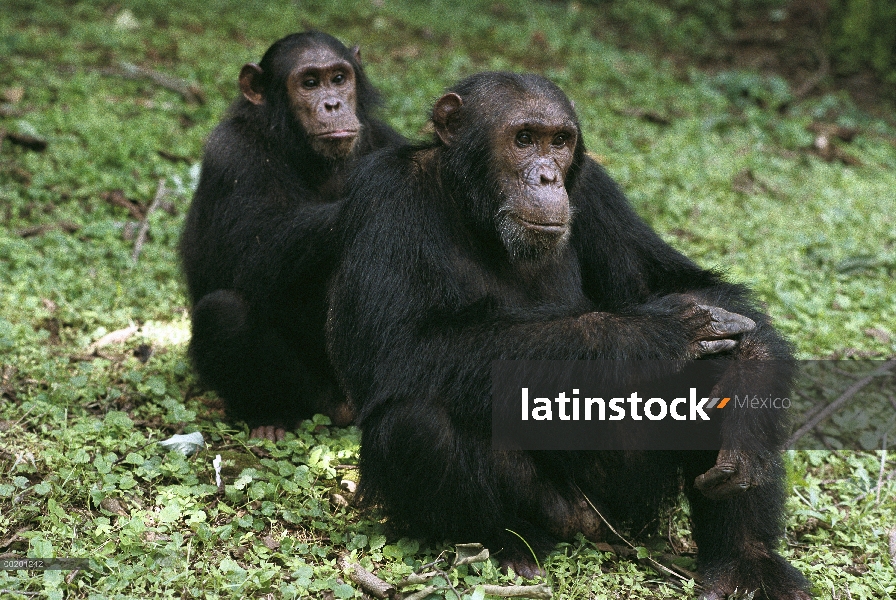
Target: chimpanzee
[(259, 245), (501, 239)]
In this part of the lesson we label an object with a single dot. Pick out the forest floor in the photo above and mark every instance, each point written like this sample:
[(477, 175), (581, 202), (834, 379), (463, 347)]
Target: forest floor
[(758, 160)]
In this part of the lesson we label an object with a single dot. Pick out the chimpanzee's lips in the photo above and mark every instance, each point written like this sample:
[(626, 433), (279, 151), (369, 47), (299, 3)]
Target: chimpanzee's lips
[(550, 228), (339, 134)]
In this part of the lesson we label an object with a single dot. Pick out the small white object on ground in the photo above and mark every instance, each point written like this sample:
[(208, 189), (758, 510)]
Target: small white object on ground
[(187, 444), (217, 465)]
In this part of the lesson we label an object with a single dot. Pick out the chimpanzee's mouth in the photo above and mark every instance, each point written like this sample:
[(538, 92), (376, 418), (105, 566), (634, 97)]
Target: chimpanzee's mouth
[(339, 134), (552, 228)]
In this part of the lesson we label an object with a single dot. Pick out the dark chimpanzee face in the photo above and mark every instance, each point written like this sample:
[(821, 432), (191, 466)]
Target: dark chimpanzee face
[(531, 142), (533, 151), (321, 88), (322, 94)]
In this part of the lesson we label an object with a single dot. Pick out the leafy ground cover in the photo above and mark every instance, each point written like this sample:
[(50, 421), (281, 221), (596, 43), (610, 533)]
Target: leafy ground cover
[(795, 198)]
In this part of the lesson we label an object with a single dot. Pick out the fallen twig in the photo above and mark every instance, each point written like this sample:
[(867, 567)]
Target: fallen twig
[(420, 595), (861, 497), (467, 554), (117, 198), (668, 560), (416, 579), (76, 358), (190, 92), (114, 337), (833, 406), (824, 69), (655, 563), (15, 536), (541, 591), (367, 580), (645, 115), (66, 226), (22, 418), (892, 541), (883, 464), (26, 141), (175, 158), (144, 226)]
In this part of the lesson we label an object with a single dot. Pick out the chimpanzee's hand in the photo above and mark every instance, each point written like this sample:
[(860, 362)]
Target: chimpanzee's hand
[(734, 473), (716, 333)]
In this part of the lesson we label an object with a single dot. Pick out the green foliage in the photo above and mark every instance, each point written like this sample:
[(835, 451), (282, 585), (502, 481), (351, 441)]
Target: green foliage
[(695, 26), (863, 35), (744, 88), (726, 174)]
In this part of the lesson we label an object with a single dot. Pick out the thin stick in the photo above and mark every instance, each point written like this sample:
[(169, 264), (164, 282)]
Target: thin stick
[(823, 70), (22, 418), (424, 593), (144, 226), (861, 497), (26, 141), (115, 337), (892, 541), (883, 464), (652, 561), (538, 592), (836, 404), (531, 551), (367, 580), (190, 92)]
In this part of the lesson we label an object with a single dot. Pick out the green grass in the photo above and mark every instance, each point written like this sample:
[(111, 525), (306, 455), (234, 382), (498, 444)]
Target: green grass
[(729, 180)]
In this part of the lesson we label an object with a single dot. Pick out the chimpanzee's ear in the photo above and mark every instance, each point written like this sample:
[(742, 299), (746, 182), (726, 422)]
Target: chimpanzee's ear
[(250, 83), (444, 115)]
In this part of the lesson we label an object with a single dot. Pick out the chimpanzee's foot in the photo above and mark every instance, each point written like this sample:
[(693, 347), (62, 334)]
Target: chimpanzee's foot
[(343, 414), (526, 567), (772, 578), (566, 519), (275, 433)]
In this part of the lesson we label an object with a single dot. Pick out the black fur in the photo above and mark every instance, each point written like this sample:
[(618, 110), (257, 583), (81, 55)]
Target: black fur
[(427, 296), (259, 244)]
